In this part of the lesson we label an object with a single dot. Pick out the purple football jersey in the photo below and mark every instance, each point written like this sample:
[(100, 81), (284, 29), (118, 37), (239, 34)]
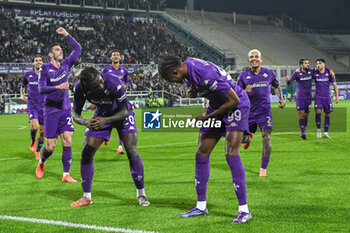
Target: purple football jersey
[(50, 77), (261, 83), (121, 73), (108, 102), (34, 97), (304, 83), (210, 81), (323, 81)]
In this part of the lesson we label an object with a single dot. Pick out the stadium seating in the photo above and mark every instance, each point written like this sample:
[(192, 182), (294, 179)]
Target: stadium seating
[(278, 45)]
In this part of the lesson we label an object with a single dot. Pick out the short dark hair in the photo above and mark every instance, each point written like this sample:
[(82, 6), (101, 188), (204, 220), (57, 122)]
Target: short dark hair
[(301, 61), (38, 55), (113, 50), (88, 75), (167, 64), (49, 48), (321, 60)]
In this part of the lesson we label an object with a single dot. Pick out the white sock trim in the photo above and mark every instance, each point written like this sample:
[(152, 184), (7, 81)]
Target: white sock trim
[(87, 195), (140, 192), (243, 208), (202, 205), (65, 173)]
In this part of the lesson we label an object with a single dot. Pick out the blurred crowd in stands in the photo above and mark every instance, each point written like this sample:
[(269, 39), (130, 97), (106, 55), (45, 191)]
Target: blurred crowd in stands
[(140, 41)]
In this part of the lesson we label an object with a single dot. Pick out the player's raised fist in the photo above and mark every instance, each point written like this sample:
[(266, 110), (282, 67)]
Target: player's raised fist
[(62, 31)]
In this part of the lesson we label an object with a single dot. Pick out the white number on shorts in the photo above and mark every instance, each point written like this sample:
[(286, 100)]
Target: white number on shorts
[(131, 119), (237, 115), (70, 121), (269, 123)]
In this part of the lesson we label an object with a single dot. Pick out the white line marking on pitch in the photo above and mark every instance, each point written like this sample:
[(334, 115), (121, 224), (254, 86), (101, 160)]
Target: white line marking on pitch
[(11, 158), (70, 224)]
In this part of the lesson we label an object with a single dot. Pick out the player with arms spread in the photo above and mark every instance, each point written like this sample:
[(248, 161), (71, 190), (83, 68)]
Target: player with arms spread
[(113, 110), (323, 99), (120, 72), (53, 83), (35, 105), (257, 83), (229, 104)]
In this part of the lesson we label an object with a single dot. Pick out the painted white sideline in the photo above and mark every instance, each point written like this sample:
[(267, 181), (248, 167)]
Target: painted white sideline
[(70, 224)]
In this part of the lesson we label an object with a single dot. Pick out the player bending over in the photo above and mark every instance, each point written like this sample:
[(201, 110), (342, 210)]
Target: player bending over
[(113, 110), (229, 104)]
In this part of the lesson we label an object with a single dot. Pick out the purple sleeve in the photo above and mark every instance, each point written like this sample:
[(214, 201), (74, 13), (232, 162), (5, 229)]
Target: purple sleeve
[(294, 76), (25, 80), (218, 84), (274, 81), (126, 78), (240, 82), (71, 59), (79, 99), (42, 85)]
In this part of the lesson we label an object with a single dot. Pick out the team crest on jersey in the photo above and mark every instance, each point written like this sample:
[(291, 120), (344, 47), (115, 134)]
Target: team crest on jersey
[(107, 92), (309, 72), (327, 74), (122, 71), (206, 82), (265, 75), (300, 73), (110, 70), (50, 70), (30, 76), (248, 77)]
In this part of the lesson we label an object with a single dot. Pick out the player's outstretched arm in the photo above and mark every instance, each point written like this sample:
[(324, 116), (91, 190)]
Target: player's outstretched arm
[(233, 100), (76, 46), (98, 122)]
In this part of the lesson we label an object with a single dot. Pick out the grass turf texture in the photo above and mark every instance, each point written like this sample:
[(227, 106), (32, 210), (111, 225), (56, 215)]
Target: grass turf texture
[(307, 188)]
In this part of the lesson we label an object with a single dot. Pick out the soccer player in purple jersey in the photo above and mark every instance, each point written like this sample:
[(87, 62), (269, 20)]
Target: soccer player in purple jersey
[(228, 104), (113, 110), (323, 99), (257, 83), (120, 72), (303, 77), (53, 83), (35, 105)]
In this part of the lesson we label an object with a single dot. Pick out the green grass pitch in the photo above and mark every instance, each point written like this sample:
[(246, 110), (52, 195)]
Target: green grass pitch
[(307, 188)]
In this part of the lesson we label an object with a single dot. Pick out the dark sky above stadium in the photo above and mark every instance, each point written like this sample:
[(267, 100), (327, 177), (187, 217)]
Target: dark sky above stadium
[(315, 14)]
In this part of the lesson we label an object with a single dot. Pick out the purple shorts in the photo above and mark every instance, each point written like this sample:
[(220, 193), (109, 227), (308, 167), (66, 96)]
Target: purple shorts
[(123, 127), (236, 119), (263, 119), (324, 103), (35, 112), (57, 123), (303, 104)]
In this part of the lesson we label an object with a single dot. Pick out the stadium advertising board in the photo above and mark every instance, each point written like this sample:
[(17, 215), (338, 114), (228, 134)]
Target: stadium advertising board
[(50, 13)]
